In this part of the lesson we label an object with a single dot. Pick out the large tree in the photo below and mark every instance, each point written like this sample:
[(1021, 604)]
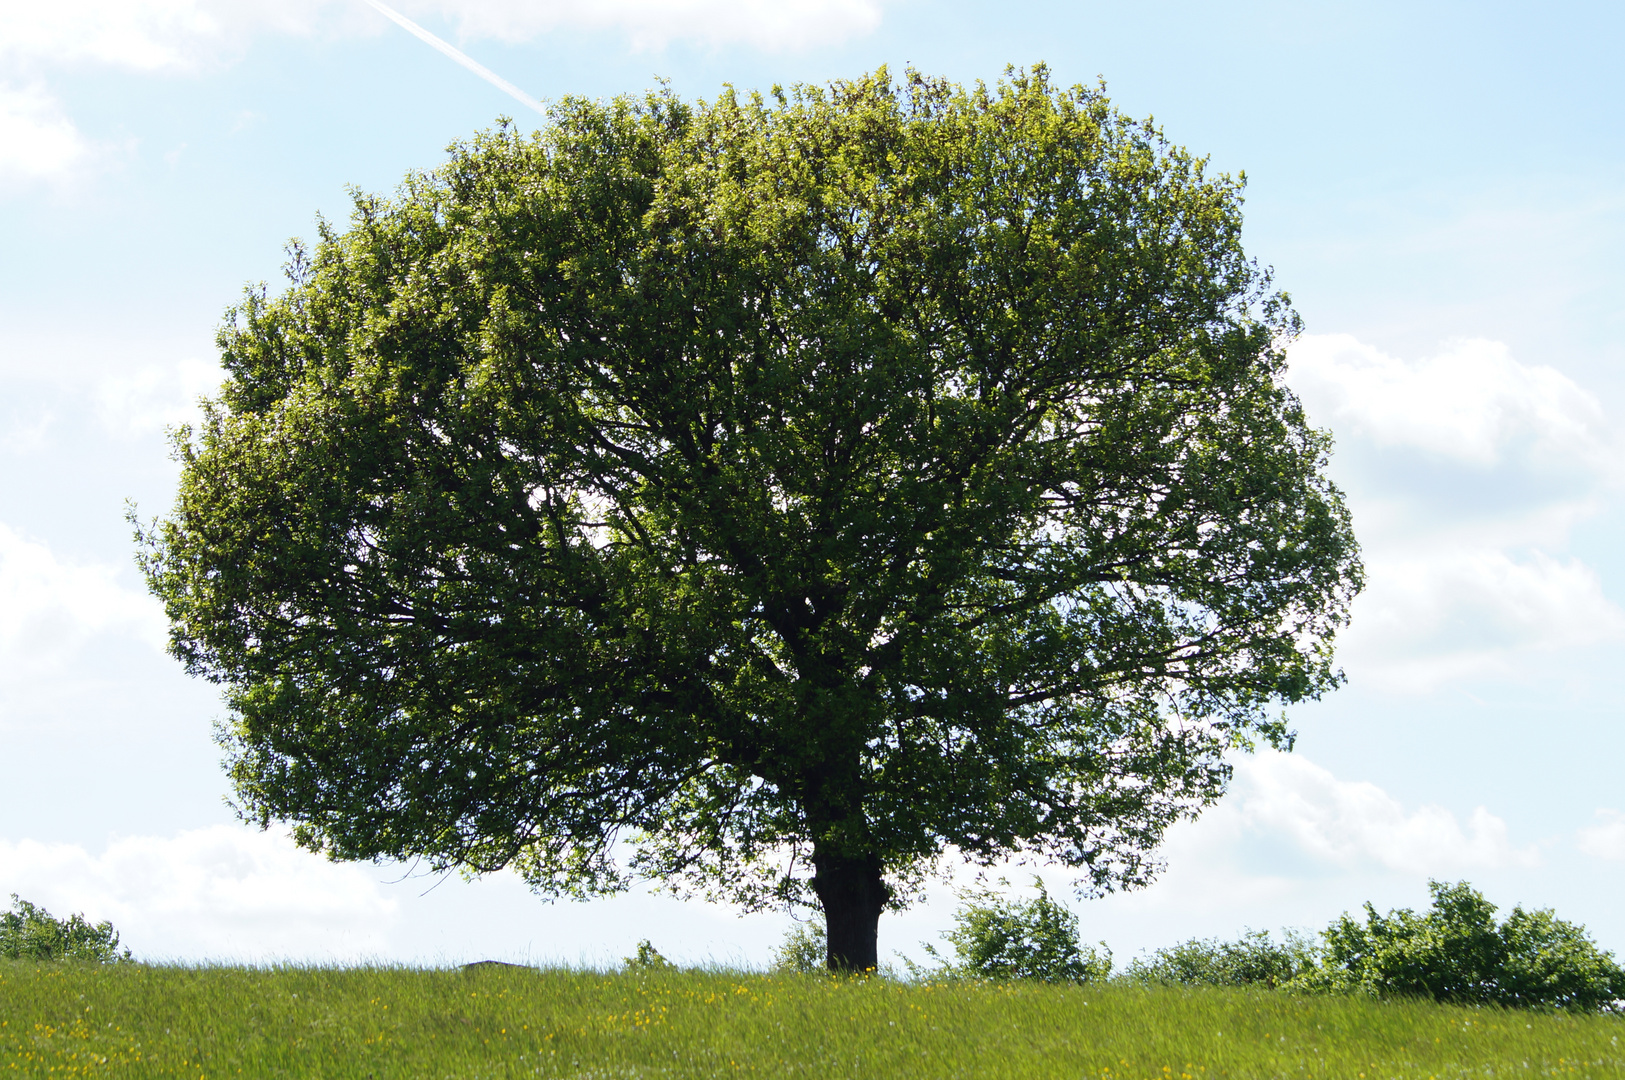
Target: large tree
[(764, 496)]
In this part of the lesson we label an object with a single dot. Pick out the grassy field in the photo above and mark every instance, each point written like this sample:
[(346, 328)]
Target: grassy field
[(132, 1020)]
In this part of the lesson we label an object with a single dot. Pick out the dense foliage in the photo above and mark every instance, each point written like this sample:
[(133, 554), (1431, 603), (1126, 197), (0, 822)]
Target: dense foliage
[(802, 951), (1256, 959), (1455, 952), (792, 489), (647, 957), (29, 932), (995, 937)]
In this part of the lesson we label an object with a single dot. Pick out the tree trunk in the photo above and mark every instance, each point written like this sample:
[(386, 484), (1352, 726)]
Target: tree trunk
[(853, 896)]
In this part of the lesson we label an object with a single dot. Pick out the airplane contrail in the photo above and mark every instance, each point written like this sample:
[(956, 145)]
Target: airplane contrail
[(458, 55)]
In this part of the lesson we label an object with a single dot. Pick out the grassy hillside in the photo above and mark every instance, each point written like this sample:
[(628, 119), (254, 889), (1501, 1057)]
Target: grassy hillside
[(131, 1020)]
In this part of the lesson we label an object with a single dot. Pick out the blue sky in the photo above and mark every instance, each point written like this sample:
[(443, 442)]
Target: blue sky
[(1440, 186)]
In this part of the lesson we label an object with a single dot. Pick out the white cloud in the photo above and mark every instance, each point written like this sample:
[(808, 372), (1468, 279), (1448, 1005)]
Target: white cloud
[(1290, 801), (48, 607), (1451, 611), (37, 140), (144, 35), (1466, 472), (220, 893), (1291, 845), (1471, 403), (1606, 839)]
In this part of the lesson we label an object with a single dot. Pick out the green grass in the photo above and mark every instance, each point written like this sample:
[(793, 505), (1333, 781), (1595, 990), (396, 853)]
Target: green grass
[(138, 1021)]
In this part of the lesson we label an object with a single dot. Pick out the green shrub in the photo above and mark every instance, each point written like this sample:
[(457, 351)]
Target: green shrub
[(1254, 960), (1456, 953), (997, 938), (803, 949), (647, 957), (28, 932)]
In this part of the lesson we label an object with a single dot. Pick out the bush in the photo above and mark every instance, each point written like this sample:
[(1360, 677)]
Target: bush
[(648, 958), (803, 949), (1456, 953), (997, 938), (30, 933), (1255, 960)]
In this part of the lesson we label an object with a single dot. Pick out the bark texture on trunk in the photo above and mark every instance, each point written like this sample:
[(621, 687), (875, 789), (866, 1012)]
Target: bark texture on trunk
[(853, 895)]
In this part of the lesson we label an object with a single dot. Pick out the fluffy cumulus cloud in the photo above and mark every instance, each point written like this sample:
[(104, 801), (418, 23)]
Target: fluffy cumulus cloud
[(37, 140), (1460, 611), (50, 606), (1288, 801), (1466, 472), (223, 893), (144, 35), (1294, 845), (1605, 839), (1288, 823), (1472, 402)]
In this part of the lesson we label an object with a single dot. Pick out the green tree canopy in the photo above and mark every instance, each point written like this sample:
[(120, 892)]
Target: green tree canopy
[(763, 496)]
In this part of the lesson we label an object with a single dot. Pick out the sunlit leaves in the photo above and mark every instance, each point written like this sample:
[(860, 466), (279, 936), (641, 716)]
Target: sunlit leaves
[(870, 470)]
